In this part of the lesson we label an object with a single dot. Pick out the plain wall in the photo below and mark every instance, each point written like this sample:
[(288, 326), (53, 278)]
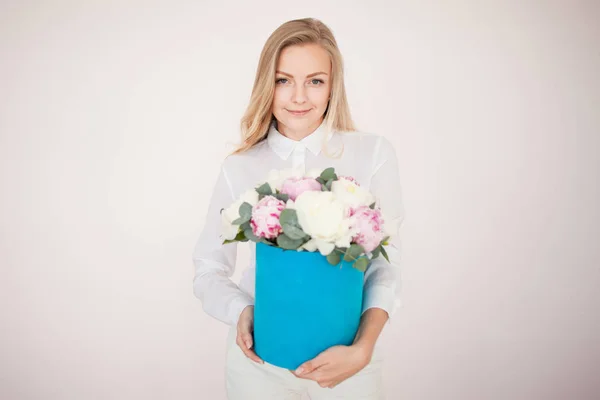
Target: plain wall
[(115, 116)]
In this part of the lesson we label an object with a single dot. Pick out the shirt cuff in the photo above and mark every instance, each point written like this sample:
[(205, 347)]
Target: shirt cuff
[(236, 307)]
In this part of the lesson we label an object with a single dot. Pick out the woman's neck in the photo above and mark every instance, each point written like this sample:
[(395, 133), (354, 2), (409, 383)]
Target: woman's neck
[(296, 135)]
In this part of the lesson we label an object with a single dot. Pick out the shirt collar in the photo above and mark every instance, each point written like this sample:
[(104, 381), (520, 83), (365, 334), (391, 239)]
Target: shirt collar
[(284, 146)]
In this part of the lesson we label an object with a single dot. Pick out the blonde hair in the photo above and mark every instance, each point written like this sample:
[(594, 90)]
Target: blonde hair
[(258, 116)]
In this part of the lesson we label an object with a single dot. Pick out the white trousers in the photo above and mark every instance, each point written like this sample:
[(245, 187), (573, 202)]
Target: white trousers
[(248, 380)]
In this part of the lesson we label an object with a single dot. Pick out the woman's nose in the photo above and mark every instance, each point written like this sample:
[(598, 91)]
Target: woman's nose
[(299, 94)]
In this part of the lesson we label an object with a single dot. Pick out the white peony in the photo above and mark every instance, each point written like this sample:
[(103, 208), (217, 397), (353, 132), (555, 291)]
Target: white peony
[(276, 177), (322, 217), (351, 194), (231, 213)]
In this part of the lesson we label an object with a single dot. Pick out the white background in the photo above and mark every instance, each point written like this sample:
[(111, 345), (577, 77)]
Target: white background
[(115, 115)]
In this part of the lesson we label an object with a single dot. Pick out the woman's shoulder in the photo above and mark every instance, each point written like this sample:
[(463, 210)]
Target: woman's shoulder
[(365, 140), (245, 158)]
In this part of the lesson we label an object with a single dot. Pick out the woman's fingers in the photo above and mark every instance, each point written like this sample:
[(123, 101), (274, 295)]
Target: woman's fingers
[(245, 344)]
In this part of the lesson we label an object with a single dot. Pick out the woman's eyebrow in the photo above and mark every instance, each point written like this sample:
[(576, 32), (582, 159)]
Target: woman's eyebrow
[(308, 76)]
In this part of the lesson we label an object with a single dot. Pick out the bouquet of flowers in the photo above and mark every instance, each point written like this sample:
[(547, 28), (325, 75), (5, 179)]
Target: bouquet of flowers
[(319, 210), (302, 307)]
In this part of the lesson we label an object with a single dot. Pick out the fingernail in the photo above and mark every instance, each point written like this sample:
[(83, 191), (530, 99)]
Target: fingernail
[(299, 370)]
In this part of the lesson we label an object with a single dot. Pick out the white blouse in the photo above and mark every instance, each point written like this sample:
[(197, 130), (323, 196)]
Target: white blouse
[(369, 158)]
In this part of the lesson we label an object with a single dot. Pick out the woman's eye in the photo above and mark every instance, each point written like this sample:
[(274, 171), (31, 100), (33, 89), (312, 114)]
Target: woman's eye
[(313, 81)]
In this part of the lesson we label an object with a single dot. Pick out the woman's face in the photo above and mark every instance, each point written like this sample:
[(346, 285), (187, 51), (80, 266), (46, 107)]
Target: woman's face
[(302, 83)]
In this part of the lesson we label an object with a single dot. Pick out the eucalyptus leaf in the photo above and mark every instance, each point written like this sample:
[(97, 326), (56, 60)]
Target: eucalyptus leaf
[(288, 216), (251, 236), (266, 241), (246, 211), (353, 252), (328, 184), (320, 180), (264, 189), (334, 258), (328, 173), (361, 264), (293, 231), (375, 253), (241, 220), (287, 243), (245, 226), (282, 196), (384, 253), (324, 188)]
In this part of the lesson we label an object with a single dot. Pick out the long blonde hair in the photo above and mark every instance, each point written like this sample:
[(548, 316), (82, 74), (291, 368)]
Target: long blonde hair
[(258, 116)]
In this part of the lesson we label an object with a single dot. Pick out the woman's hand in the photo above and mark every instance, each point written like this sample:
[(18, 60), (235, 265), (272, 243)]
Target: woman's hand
[(335, 364), (245, 337)]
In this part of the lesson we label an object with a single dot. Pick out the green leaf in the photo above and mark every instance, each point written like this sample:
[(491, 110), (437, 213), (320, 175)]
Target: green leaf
[(246, 211), (353, 252), (385, 241), (288, 216), (240, 221), (328, 173), (328, 184), (375, 253), (334, 258), (291, 227), (264, 189), (361, 264), (251, 236), (324, 188), (266, 241), (372, 206), (245, 226), (384, 253), (293, 231), (286, 242), (282, 196), (320, 180)]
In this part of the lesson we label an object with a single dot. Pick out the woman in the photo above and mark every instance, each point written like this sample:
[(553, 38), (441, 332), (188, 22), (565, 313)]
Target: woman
[(299, 117)]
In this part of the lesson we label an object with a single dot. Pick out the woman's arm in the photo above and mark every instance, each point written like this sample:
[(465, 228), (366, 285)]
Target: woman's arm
[(371, 324), (382, 278), (214, 262)]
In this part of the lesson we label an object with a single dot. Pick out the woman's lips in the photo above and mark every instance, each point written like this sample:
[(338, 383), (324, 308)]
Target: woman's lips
[(299, 113)]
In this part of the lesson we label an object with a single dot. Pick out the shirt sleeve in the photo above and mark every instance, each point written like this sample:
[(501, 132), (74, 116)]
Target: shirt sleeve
[(382, 279), (214, 262)]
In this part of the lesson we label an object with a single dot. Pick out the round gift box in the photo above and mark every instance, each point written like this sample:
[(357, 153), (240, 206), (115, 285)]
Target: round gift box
[(303, 305)]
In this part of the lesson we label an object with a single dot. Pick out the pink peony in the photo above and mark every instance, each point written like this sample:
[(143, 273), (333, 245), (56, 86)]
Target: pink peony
[(265, 217), (369, 225), (293, 187)]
